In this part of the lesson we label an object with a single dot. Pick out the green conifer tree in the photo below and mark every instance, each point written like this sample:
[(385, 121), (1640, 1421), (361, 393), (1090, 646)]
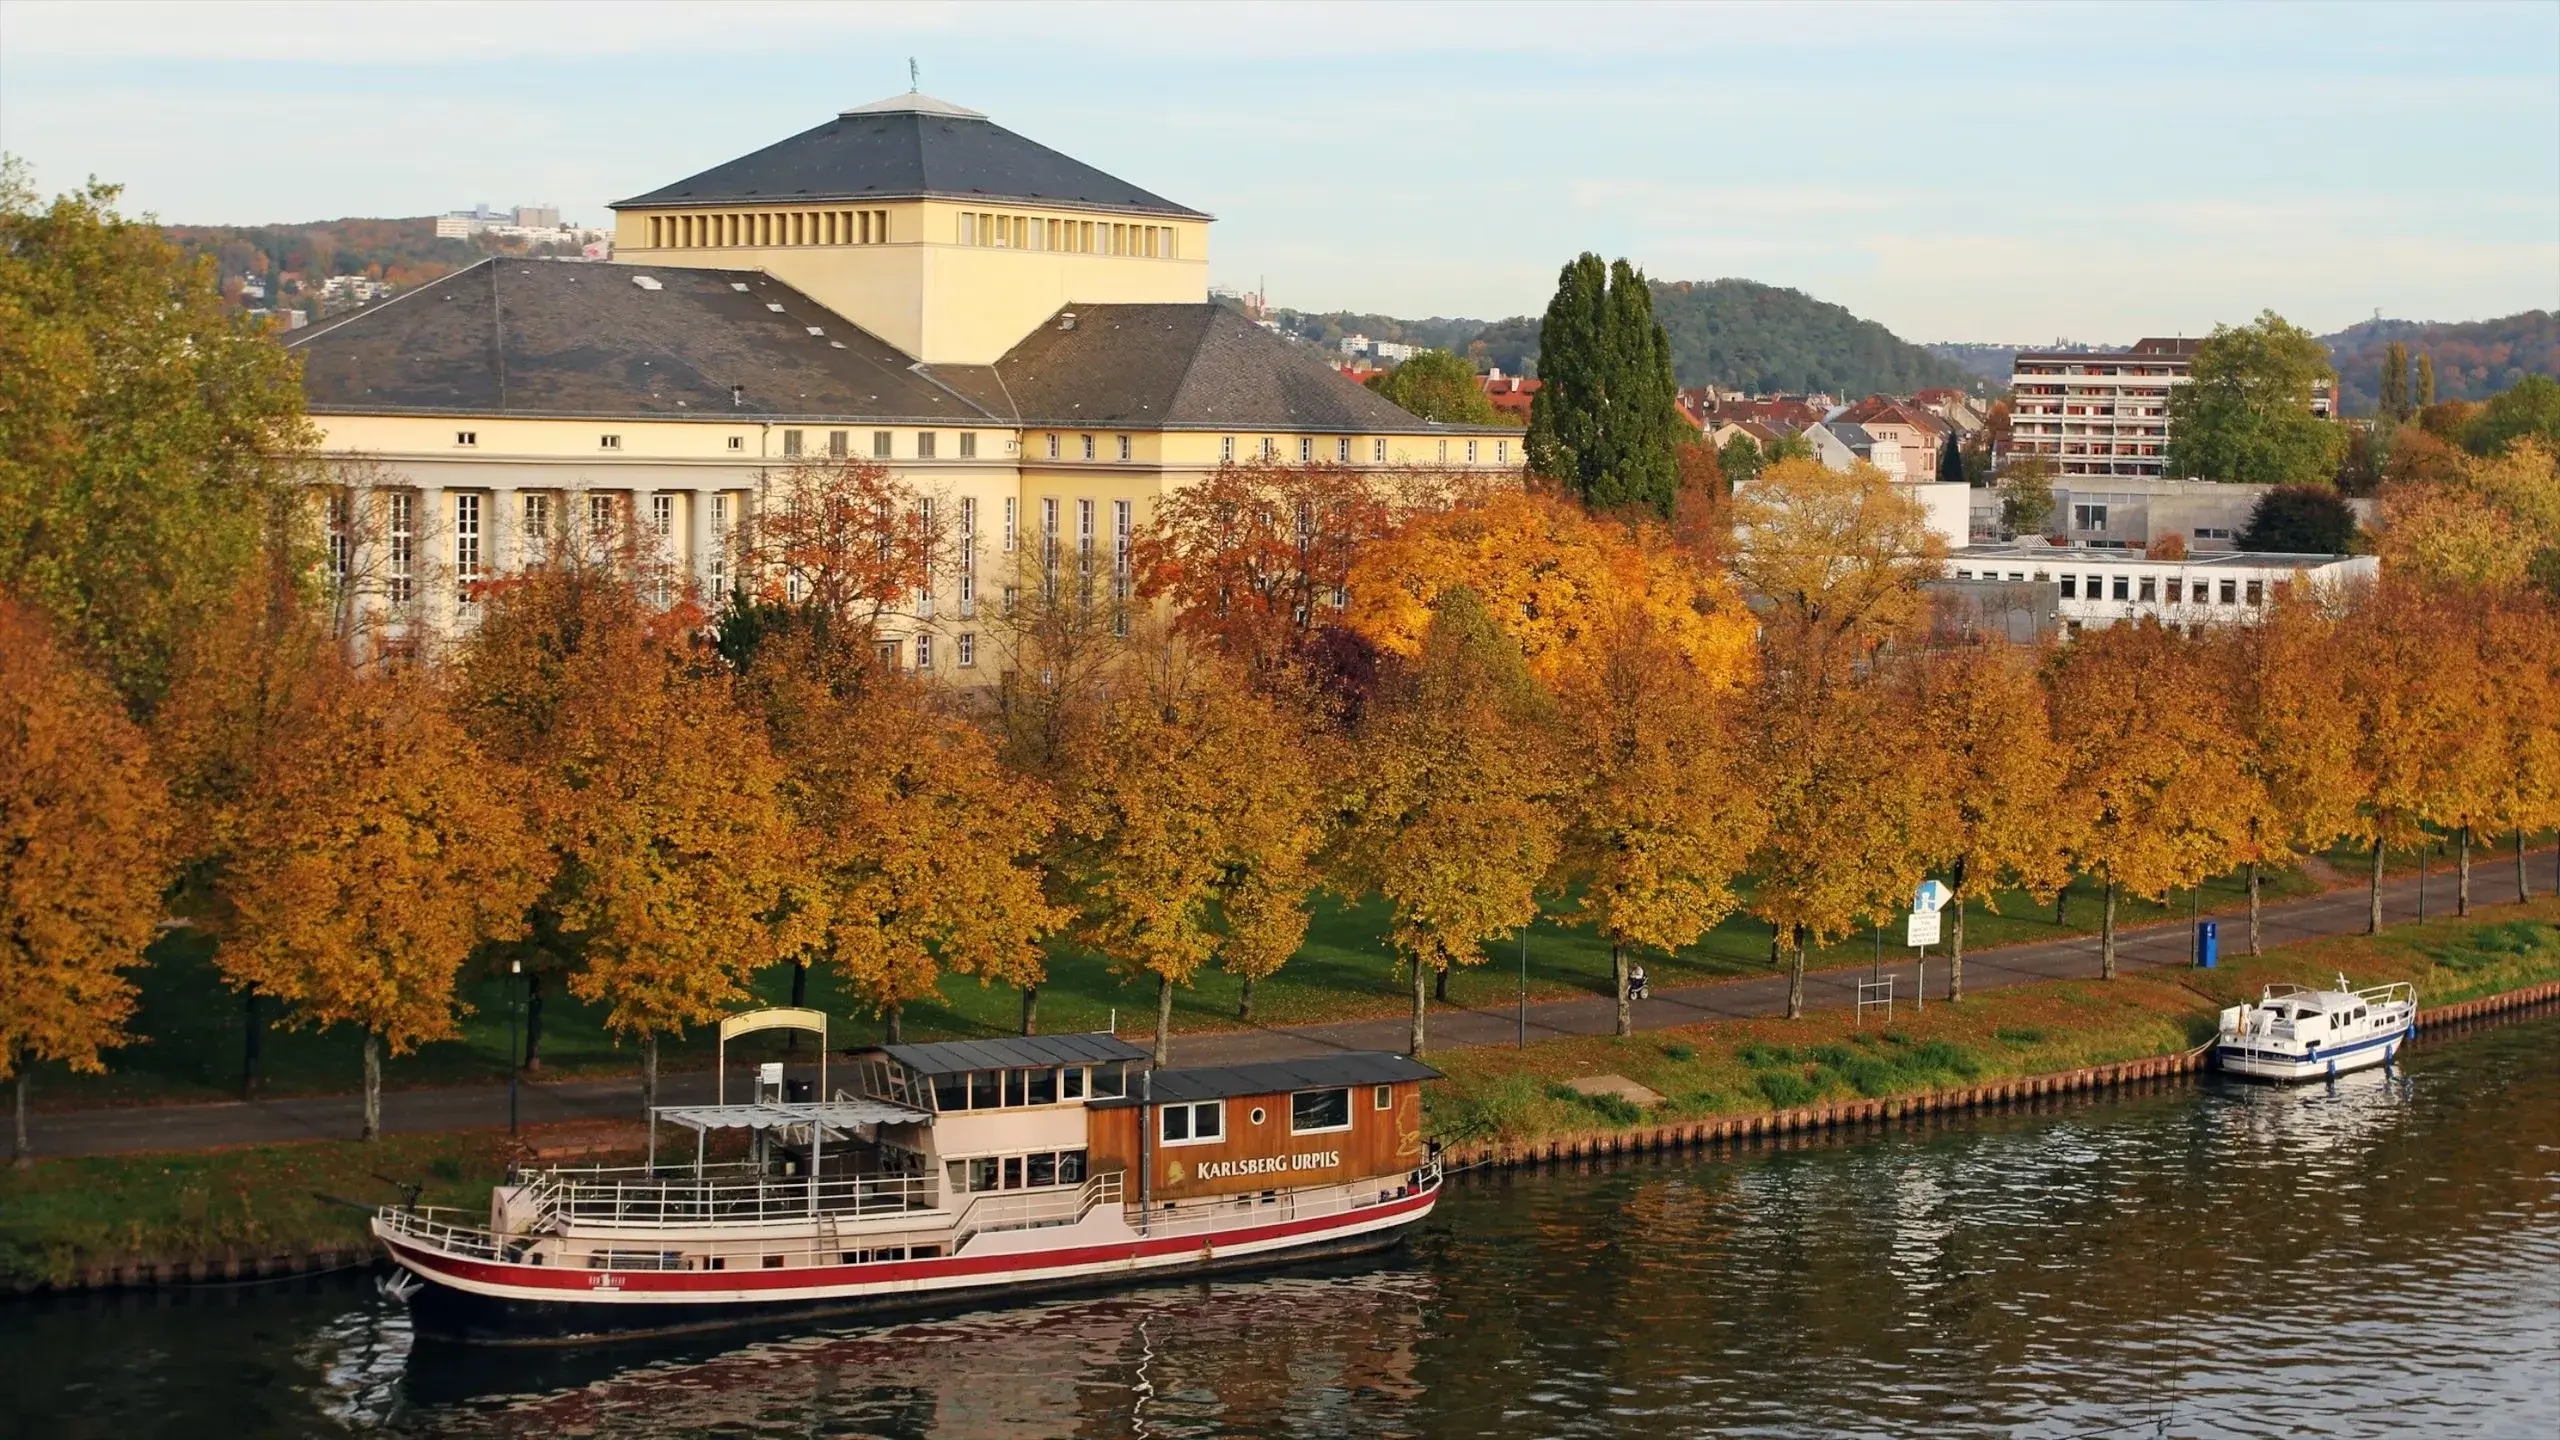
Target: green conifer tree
[(2394, 403), (1605, 420), (2426, 381)]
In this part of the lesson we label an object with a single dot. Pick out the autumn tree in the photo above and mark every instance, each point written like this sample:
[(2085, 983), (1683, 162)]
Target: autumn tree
[(1189, 793), (374, 854), (1997, 816), (2528, 409), (1552, 578), (670, 851), (2155, 766), (83, 826), (1452, 813), (1841, 554), (1664, 817), (2523, 634), (843, 540), (2296, 723), (918, 847), (2026, 495), (141, 428), (2491, 523), (2411, 689)]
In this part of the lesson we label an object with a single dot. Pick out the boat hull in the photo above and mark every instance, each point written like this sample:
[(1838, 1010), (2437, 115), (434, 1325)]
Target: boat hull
[(2267, 1063), (484, 1302)]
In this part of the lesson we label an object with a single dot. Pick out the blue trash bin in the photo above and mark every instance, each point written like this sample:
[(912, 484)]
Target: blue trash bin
[(2208, 944)]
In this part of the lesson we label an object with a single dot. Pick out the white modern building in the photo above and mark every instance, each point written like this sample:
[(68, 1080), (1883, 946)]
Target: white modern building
[(2101, 587), (2105, 412)]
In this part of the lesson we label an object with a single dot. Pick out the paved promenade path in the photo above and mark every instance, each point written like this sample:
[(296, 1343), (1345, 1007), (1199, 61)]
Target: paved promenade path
[(125, 1130)]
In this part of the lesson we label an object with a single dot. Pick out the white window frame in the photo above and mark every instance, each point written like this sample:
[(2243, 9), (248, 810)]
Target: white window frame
[(466, 538), (1191, 1111), (1343, 1090)]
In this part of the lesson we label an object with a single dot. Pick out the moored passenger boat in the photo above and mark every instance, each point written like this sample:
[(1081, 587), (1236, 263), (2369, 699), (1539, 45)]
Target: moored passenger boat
[(2297, 1033), (942, 1175)]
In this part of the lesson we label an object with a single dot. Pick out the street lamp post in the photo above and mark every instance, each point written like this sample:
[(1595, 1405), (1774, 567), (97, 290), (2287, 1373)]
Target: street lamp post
[(1522, 1024), (514, 969)]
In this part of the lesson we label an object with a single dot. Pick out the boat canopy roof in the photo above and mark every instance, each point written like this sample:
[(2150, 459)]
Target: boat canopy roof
[(1007, 1052), (834, 1114), (1271, 1077)]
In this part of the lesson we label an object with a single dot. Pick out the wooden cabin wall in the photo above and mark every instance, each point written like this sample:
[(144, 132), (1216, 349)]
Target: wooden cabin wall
[(1381, 1144)]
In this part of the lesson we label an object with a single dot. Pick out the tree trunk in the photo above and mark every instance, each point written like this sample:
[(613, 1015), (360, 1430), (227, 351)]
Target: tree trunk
[(799, 998), (891, 1036), (1030, 1009), (1413, 1041), (1244, 1001), (1164, 1019), (649, 1079), (2462, 871), (21, 1154), (2107, 933), (372, 1087), (1440, 985), (2253, 907), (2061, 904), (532, 1021), (2373, 910), (1618, 968), (2524, 887), (1955, 955), (253, 1036), (1795, 977)]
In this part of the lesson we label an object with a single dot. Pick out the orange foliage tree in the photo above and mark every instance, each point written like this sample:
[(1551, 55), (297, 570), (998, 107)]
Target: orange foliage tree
[(2158, 772), (1553, 579), (671, 852), (2413, 686), (1256, 558), (2297, 728), (1454, 810), (1664, 818), (1840, 554), (83, 826), (373, 855), (2523, 633), (1996, 778), (844, 539)]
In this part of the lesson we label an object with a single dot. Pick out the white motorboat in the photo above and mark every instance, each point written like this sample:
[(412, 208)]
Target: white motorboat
[(2298, 1033)]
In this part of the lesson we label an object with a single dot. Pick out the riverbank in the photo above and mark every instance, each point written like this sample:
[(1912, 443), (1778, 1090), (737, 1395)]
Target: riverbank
[(235, 1215), (1730, 1079)]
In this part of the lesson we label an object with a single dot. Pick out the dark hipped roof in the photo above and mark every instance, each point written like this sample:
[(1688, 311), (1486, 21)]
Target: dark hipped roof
[(1272, 1077), (1182, 367), (950, 1057), (905, 149), (561, 338)]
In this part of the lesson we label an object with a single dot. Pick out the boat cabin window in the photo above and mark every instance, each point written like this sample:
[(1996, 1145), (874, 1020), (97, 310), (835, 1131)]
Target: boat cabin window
[(1013, 1086), (1311, 1111), (986, 1089), (1071, 1083), (1110, 1079), (1040, 1087), (1039, 1170), (1008, 1089), (1198, 1123), (1383, 1098), (951, 1092)]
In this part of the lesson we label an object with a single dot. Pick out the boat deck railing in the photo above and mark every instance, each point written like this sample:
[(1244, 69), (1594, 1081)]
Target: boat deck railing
[(639, 1199), (440, 1227), (1031, 1209)]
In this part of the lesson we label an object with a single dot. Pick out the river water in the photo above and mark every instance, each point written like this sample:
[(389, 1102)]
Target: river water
[(2380, 1257)]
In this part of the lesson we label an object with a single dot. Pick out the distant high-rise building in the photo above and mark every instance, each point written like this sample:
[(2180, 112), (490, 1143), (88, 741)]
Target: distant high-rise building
[(538, 217), (2106, 412)]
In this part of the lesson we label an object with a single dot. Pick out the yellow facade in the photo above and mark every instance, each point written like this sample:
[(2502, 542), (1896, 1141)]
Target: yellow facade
[(947, 283)]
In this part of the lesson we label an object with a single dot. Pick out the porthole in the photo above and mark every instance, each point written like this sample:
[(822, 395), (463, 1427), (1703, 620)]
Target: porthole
[(1257, 1116)]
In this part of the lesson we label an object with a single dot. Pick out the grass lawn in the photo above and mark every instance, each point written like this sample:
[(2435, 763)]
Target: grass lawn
[(1738, 1067), (190, 1026)]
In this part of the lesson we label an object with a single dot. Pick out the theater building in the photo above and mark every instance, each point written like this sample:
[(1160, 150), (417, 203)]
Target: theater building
[(1024, 340)]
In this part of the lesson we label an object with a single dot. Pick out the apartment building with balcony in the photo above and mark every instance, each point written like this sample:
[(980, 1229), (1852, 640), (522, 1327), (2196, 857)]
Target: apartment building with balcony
[(2106, 412)]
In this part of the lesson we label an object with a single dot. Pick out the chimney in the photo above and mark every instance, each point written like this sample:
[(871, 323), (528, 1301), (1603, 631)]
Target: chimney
[(737, 396), (1066, 319)]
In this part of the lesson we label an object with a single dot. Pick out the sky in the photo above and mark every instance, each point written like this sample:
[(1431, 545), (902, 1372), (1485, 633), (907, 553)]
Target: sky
[(1956, 171)]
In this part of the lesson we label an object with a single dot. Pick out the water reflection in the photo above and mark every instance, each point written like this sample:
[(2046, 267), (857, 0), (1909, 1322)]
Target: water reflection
[(2378, 1256)]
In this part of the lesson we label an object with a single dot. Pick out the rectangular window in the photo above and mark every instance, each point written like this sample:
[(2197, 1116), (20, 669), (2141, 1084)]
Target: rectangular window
[(1471, 452), (466, 540), (1124, 449), (924, 652), (1377, 452), (1120, 538), (341, 536), (951, 1092), (737, 442), (879, 444), (1053, 447), (2070, 587), (1088, 447), (968, 643), (1342, 450), (1270, 448), (1306, 450), (1227, 449), (985, 1091), (839, 444), (1444, 452), (790, 443), (1314, 1111), (1040, 1087), (1071, 1167), (1201, 1122), (719, 544), (401, 531), (2122, 588), (892, 653), (2096, 589), (609, 442), (2149, 588), (1040, 1170), (466, 437), (2257, 592), (1009, 503), (924, 444), (662, 515), (1501, 452), (982, 1173), (2230, 592), (1071, 1082), (1382, 1097), (968, 444), (1110, 1080)]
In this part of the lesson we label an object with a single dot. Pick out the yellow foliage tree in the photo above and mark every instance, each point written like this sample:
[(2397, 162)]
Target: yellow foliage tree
[(1553, 579), (1995, 776), (1456, 810), (2297, 727), (2491, 522), (1190, 816), (2414, 686), (672, 854), (83, 826), (2158, 771), (1840, 554), (1665, 818), (2523, 634), (373, 854)]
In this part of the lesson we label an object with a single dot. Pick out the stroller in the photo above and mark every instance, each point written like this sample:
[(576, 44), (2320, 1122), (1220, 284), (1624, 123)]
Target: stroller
[(1638, 987)]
